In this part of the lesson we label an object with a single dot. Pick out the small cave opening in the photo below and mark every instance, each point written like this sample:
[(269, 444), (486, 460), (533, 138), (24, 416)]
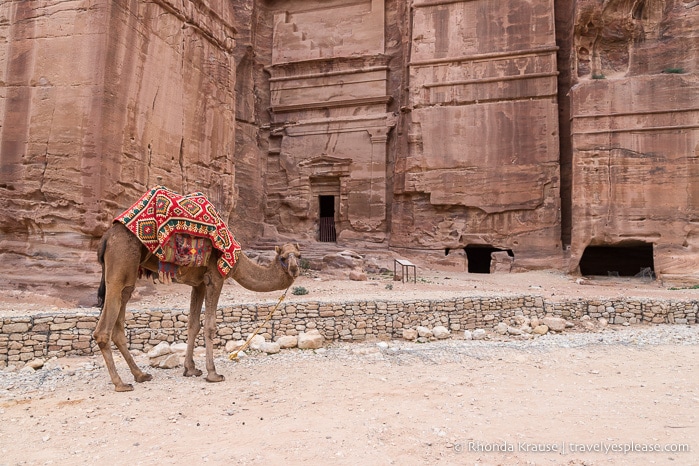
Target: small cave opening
[(479, 257), (633, 259)]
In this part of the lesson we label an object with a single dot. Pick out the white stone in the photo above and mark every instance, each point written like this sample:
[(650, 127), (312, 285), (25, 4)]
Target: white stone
[(410, 334), (501, 328), (155, 362), (288, 341), (256, 342), (36, 363), (170, 361), (603, 322), (270, 347), (440, 332), (382, 345), (424, 332), (160, 349), (557, 324), (521, 320), (468, 335), (479, 334), (179, 347), (310, 340), (234, 345)]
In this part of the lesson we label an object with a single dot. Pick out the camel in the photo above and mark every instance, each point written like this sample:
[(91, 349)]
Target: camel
[(121, 254)]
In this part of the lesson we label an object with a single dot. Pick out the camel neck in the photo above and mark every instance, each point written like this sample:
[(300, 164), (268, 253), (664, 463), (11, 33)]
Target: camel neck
[(255, 277)]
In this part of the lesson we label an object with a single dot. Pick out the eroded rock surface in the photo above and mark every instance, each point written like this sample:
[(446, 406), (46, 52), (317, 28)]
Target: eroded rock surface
[(532, 128)]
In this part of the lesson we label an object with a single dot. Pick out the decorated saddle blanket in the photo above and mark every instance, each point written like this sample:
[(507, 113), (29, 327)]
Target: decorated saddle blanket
[(186, 250), (173, 227)]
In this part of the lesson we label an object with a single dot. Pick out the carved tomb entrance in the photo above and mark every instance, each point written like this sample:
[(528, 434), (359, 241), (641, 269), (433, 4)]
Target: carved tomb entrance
[(625, 259), (327, 191)]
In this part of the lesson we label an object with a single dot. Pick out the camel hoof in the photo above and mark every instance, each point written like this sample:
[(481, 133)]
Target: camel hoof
[(215, 378), (192, 373), (143, 377), (125, 387)]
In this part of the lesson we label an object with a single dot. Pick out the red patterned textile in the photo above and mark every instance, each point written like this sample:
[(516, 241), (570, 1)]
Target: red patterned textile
[(187, 250), (160, 213)]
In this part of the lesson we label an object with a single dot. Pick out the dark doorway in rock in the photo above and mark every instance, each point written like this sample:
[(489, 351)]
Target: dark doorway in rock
[(326, 207), (623, 260), (479, 258)]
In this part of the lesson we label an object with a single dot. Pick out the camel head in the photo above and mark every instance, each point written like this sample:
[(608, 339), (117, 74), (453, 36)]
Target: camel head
[(289, 257)]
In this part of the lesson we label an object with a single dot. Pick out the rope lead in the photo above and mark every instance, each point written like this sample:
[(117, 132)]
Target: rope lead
[(234, 355)]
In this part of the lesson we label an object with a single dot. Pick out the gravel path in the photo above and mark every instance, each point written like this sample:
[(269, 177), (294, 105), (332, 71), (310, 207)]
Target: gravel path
[(569, 398), (16, 384)]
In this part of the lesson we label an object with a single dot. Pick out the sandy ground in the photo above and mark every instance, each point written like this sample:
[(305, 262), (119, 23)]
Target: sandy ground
[(446, 402)]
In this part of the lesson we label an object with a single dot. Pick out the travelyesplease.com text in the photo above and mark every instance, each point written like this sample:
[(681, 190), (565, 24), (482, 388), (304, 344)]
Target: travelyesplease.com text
[(571, 447)]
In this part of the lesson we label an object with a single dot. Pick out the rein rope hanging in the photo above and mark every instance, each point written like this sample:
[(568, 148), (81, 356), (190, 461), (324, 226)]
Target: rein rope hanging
[(234, 355)]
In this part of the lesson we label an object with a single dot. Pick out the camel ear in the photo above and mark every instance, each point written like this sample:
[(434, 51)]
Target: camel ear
[(297, 247), (277, 249)]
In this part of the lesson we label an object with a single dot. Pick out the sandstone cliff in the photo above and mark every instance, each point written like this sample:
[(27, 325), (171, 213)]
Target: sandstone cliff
[(635, 131), (102, 99), (444, 130)]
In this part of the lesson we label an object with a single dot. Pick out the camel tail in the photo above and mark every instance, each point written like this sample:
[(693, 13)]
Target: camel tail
[(102, 290)]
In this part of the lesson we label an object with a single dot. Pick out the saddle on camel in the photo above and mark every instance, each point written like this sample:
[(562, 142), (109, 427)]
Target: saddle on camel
[(176, 228), (180, 237)]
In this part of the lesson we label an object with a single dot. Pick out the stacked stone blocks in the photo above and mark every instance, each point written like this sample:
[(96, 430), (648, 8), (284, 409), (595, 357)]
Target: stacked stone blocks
[(23, 338)]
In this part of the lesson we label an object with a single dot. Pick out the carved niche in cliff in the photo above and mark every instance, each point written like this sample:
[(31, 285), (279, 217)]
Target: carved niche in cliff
[(328, 84), (483, 161)]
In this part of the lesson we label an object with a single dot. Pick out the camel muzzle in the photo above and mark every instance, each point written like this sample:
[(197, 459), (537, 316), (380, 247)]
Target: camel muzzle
[(291, 265)]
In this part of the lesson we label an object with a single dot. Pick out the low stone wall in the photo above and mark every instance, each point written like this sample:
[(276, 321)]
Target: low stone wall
[(45, 335)]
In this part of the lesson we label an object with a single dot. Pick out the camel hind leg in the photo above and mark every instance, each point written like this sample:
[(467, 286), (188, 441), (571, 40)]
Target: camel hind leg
[(120, 255), (119, 339), (195, 304), (214, 284)]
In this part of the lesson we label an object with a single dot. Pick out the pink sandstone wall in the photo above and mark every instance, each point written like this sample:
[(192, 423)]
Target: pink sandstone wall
[(482, 163), (535, 126), (102, 99), (635, 130)]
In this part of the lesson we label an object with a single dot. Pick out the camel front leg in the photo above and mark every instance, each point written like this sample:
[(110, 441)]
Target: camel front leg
[(214, 284), (195, 303), (104, 331)]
